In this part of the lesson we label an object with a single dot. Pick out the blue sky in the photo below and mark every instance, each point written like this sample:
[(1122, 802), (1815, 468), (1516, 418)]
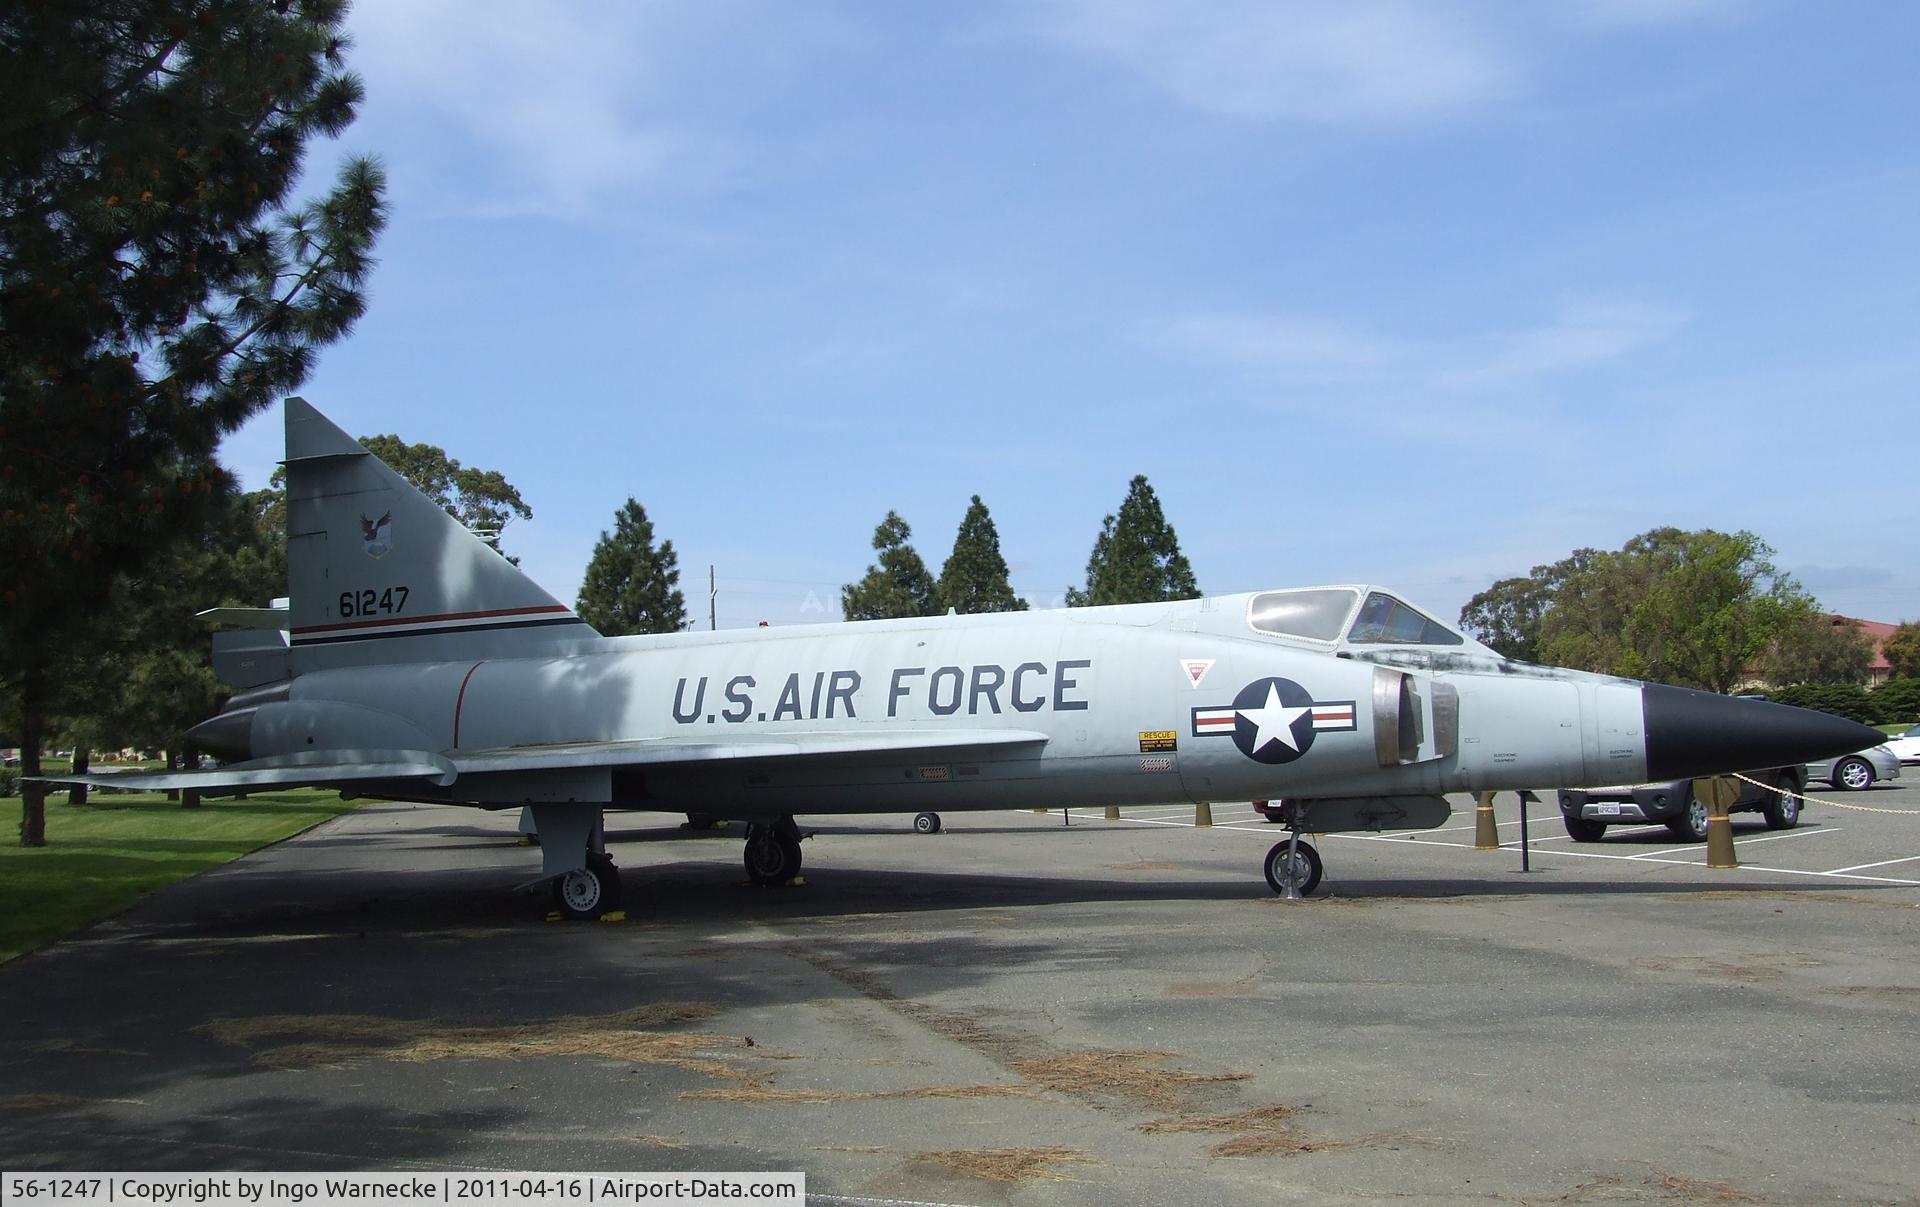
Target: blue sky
[(1414, 293)]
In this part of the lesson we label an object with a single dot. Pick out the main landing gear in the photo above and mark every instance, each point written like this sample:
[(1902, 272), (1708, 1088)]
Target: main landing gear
[(588, 892), (573, 858), (773, 851)]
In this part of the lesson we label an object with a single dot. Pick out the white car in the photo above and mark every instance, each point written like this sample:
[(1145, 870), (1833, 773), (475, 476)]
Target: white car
[(1906, 747)]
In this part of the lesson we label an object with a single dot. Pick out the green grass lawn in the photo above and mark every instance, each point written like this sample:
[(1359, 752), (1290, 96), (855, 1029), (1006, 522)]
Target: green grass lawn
[(104, 855)]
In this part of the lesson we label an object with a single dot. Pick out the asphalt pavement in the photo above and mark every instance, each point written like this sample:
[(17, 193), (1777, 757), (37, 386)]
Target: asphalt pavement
[(1016, 1010)]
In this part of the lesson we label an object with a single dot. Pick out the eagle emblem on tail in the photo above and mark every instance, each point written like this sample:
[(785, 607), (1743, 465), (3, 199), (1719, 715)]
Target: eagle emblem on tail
[(378, 534)]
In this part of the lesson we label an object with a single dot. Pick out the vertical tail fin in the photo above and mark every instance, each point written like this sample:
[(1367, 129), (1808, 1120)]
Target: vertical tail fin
[(379, 572)]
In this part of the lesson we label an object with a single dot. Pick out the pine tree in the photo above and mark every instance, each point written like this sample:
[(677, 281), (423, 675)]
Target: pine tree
[(1137, 558), (897, 584), (630, 586), (159, 283), (974, 578)]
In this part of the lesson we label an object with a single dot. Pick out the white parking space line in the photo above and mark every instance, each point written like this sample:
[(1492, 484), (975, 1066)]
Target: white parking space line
[(1748, 840), (1861, 867), (1662, 856), (1653, 857)]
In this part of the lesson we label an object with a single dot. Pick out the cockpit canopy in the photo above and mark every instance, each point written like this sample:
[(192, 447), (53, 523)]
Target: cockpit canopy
[(1357, 615)]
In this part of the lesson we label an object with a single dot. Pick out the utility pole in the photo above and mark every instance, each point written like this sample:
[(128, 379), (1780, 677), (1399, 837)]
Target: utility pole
[(712, 592)]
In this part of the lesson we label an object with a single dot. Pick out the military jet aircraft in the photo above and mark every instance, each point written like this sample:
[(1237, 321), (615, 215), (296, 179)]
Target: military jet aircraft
[(416, 663)]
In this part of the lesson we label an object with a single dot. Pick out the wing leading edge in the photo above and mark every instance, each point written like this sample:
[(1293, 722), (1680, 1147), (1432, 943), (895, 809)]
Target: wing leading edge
[(443, 769)]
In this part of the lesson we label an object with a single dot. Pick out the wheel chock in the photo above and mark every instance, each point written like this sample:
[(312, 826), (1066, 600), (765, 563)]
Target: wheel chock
[(1203, 814), (614, 915), (526, 840), (553, 915), (1486, 833), (1113, 812), (796, 882)]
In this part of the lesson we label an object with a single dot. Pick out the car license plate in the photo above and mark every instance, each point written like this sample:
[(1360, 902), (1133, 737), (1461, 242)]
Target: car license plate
[(1609, 810)]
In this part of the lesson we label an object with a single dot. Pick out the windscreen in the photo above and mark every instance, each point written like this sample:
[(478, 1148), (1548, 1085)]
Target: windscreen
[(1316, 613), (1386, 620)]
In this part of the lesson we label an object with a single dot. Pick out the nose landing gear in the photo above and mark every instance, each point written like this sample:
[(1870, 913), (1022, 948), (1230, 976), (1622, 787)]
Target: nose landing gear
[(773, 851)]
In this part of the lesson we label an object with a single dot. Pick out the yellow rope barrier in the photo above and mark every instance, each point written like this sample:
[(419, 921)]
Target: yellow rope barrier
[(1815, 800)]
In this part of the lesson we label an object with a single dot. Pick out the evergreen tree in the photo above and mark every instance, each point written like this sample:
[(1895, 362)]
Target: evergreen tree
[(1902, 650), (159, 284), (631, 587), (897, 584), (1137, 558), (974, 578), (1820, 648), (1695, 609)]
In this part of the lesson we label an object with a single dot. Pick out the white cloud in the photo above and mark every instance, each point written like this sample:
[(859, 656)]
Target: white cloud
[(1585, 335), (1384, 61), (1300, 352), (564, 99)]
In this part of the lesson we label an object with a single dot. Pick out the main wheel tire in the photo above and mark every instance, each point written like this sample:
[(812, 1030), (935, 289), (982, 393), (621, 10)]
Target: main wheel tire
[(1692, 823), (1581, 830), (1782, 809), (590, 891), (771, 858), (1303, 871), (926, 823), (1852, 774)]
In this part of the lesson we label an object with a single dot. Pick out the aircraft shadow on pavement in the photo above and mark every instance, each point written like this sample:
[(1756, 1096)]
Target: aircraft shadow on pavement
[(710, 893), (268, 1133)]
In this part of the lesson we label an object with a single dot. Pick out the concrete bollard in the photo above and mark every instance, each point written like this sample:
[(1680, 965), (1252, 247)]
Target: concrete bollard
[(1486, 833), (1718, 793), (1113, 812), (1203, 814)]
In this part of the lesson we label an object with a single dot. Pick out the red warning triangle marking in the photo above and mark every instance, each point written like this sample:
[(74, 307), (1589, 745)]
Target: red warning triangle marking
[(1196, 668)]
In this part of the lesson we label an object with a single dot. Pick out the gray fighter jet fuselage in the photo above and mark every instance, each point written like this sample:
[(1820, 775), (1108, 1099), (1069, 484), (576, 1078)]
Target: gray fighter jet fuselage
[(418, 664)]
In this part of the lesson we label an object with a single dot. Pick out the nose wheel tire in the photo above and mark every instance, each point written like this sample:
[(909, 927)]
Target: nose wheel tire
[(1301, 869), (926, 823), (771, 858), (590, 891)]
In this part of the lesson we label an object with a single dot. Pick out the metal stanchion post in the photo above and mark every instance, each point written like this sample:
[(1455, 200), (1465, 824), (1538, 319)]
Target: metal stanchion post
[(1526, 849)]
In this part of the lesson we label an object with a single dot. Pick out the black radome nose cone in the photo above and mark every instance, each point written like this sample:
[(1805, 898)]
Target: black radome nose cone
[(1694, 733)]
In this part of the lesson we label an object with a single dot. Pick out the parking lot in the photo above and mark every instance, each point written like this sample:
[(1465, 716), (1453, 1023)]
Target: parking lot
[(1848, 837), (1024, 1008)]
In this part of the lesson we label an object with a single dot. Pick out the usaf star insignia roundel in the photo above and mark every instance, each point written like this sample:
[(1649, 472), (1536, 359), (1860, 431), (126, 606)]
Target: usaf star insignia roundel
[(1273, 720)]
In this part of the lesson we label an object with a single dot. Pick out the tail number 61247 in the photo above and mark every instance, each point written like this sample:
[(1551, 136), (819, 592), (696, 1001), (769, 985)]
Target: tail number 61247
[(389, 602)]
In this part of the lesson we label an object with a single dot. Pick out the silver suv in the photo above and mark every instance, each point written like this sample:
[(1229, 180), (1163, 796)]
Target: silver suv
[(1588, 812)]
